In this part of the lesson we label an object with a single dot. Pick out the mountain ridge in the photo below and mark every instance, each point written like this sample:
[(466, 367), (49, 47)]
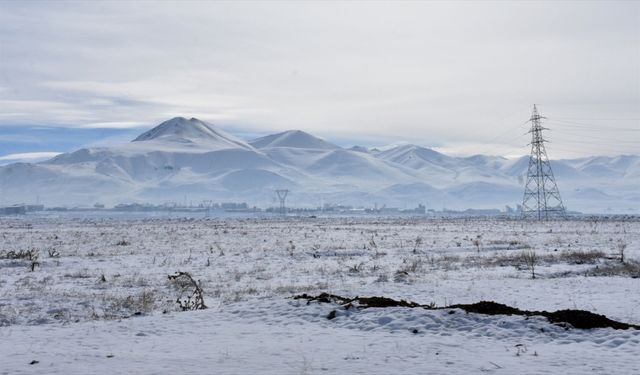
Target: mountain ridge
[(188, 156), (293, 139), (180, 129)]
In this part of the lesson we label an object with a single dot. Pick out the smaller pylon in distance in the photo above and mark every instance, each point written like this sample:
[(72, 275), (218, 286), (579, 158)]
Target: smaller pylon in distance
[(282, 196)]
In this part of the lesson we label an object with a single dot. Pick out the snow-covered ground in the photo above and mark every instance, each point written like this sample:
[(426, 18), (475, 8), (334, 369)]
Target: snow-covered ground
[(99, 299)]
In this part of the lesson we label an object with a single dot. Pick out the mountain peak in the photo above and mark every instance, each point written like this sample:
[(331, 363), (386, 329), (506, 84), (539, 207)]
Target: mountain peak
[(414, 156), (405, 148), (293, 139), (357, 148), (183, 130), (178, 127)]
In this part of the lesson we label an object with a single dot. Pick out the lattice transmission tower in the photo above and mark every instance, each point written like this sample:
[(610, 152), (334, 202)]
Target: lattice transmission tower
[(282, 196), (541, 195)]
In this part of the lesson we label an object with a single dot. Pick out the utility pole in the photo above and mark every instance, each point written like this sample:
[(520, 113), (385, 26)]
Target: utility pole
[(282, 196), (541, 199)]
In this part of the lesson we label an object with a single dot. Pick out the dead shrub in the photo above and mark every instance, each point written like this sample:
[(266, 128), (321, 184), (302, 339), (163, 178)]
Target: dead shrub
[(356, 268), (412, 265), (31, 255), (582, 257), (191, 295), (621, 245), (143, 303), (530, 259), (630, 268)]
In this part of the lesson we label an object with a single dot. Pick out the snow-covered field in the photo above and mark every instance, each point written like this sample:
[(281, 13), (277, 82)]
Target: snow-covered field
[(99, 299)]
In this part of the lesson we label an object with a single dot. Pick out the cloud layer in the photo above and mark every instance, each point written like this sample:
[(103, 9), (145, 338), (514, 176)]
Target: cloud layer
[(458, 76)]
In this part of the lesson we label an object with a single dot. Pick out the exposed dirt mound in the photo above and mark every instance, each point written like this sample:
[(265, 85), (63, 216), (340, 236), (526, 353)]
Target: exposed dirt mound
[(385, 302), (489, 308), (576, 318), (363, 302), (585, 319)]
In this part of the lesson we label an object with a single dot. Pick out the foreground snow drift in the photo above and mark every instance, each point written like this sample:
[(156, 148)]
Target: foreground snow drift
[(277, 336), (99, 299)]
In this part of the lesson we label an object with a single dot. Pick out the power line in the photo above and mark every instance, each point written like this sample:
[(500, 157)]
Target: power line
[(598, 119), (508, 130), (591, 125), (595, 138)]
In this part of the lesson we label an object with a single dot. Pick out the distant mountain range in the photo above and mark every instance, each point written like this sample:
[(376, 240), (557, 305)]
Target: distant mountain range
[(190, 159)]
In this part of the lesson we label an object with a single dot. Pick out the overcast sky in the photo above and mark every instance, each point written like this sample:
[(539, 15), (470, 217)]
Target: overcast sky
[(460, 77)]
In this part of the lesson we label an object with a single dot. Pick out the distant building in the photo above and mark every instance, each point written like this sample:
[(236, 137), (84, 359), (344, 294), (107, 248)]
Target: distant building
[(20, 209), (34, 207), (135, 207), (420, 210), (234, 206), (13, 210), (482, 212)]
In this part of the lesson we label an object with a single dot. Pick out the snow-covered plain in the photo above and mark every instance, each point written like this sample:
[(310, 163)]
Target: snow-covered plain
[(100, 300)]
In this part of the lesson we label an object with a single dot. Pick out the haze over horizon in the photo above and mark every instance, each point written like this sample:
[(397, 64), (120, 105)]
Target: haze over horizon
[(457, 77)]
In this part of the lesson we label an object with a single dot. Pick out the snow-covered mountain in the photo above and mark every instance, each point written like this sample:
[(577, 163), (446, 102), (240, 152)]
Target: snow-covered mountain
[(178, 157), (188, 157), (293, 139), (193, 132)]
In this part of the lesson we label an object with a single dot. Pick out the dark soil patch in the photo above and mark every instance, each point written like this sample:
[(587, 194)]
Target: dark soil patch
[(385, 302), (585, 319), (576, 318), (363, 302), (489, 308)]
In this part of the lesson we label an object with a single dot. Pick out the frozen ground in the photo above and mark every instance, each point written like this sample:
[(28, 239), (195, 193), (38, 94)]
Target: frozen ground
[(99, 299)]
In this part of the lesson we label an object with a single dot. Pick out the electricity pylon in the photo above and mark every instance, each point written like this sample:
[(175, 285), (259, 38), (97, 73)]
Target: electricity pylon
[(282, 196), (207, 206), (541, 195)]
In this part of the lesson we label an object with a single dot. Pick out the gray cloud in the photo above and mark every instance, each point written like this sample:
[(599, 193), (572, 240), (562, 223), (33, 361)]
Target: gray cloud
[(461, 76)]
